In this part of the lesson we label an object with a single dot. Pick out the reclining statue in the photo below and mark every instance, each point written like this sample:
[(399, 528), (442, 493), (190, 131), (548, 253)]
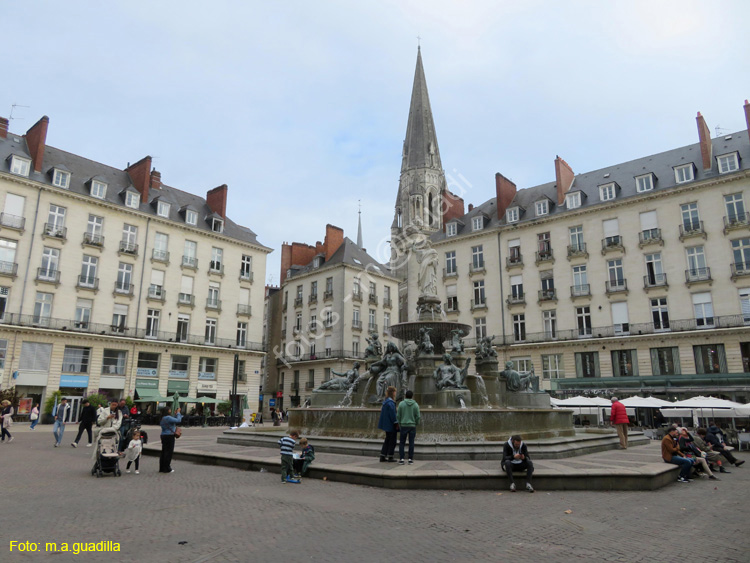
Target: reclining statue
[(520, 381), (342, 383), (449, 376)]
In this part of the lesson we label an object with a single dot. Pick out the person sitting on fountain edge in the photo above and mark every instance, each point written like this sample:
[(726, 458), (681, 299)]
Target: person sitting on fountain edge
[(516, 458)]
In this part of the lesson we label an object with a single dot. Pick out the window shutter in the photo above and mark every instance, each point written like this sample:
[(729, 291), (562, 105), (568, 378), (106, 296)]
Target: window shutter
[(157, 278), (513, 243), (516, 280), (451, 290), (648, 221), (186, 286), (611, 227), (244, 296), (14, 205), (655, 361), (35, 356)]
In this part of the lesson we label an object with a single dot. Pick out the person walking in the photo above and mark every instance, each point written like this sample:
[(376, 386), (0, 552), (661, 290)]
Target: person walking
[(34, 417), (62, 416), (168, 434), (408, 417), (88, 418), (389, 424), (619, 419), (6, 419)]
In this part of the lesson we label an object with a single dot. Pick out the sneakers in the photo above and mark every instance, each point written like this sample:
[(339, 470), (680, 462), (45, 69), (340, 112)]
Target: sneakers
[(512, 487), (295, 481), (682, 480), (74, 444), (11, 439), (401, 461), (127, 471), (89, 445), (382, 459), (529, 487), (736, 463), (411, 462), (714, 478), (722, 470), (391, 460), (137, 472), (57, 445)]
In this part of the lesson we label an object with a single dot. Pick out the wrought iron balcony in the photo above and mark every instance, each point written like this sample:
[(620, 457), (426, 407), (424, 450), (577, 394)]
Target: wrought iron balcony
[(298, 301), (450, 274), (544, 256), (387, 303), (48, 275), (189, 262), (650, 236), (519, 298), (581, 290), (514, 261), (690, 229), (215, 267), (123, 288), (372, 299), (186, 299), (246, 276), (12, 221), (617, 286), (93, 239), (655, 280), (312, 299), (88, 282), (357, 296), (577, 251), (548, 294), (328, 295), (9, 269), (697, 275), (244, 310), (478, 304), (156, 293), (612, 244), (740, 269), (357, 325), (214, 304), (477, 268), (738, 221), (160, 256), (53, 230)]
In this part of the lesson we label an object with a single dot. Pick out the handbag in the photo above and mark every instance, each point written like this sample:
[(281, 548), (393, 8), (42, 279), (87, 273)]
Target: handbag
[(178, 432), (34, 416)]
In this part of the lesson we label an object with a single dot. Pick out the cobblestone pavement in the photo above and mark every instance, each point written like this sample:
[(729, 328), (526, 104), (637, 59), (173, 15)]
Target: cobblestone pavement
[(227, 515)]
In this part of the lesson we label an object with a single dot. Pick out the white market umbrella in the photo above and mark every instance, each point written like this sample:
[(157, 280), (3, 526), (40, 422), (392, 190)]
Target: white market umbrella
[(742, 411), (645, 403), (706, 407), (581, 401), (701, 402)]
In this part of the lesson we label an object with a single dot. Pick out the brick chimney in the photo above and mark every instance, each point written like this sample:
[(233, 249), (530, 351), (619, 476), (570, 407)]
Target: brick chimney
[(747, 116), (564, 177), (334, 239), (4, 128), (286, 261), (217, 200), (471, 207), (36, 141), (453, 206), (506, 191), (704, 136), (140, 176), (155, 179)]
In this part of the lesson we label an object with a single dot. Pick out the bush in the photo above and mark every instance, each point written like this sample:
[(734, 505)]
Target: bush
[(49, 404), (224, 408), (129, 401), (97, 400)]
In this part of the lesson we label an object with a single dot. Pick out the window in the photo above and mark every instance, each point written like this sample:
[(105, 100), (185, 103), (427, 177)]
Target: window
[(660, 313), (665, 361), (119, 317), (654, 270), (450, 262), (161, 246), (373, 289), (544, 244), (179, 366), (213, 295), (217, 259), (542, 207), (183, 327), (451, 229), (573, 201), (114, 362), (514, 251), (328, 318), (355, 346), (241, 335), (190, 254), (477, 257), (587, 364), (516, 288), (576, 239), (207, 368), (703, 309), (356, 289), (76, 359), (386, 321), (129, 238), (386, 294), (12, 215), (329, 286), (132, 199), (583, 320), (162, 209), (620, 320), (549, 321), (727, 163), (98, 189), (20, 166), (644, 183), (152, 323), (371, 320), (477, 223), (511, 215), (217, 225), (246, 267), (56, 221), (83, 313), (60, 178), (210, 333), (611, 229), (452, 299), (552, 366), (580, 280), (4, 294), (314, 290), (710, 358), (356, 320), (480, 327), (88, 271), (521, 364), (94, 229), (616, 274), (298, 322), (607, 192), (50, 264), (479, 292), (696, 260), (624, 363), (148, 364), (649, 226), (690, 219), (684, 173), (327, 344), (735, 208), (741, 254), (191, 217), (547, 280), (124, 278), (186, 291), (35, 356)]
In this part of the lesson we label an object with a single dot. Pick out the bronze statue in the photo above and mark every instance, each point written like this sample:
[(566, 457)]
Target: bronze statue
[(449, 376), (342, 383), (425, 344), (390, 370), (520, 381), (374, 347), (457, 344), (484, 348)]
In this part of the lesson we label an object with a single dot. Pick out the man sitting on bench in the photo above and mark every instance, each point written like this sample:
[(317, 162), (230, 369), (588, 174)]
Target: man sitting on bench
[(516, 458)]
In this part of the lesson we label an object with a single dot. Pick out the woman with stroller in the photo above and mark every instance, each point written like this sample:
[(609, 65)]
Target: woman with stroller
[(168, 429)]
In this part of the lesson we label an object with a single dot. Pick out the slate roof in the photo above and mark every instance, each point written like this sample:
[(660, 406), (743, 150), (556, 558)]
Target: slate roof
[(83, 170), (348, 253)]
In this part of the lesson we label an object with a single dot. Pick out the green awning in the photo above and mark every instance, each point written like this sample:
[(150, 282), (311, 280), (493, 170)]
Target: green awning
[(149, 396), (209, 400)]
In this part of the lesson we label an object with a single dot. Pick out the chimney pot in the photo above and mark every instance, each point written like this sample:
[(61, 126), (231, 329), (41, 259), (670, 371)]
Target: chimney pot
[(4, 127)]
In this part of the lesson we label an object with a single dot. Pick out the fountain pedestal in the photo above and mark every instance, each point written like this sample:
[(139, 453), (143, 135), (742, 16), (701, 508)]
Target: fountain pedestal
[(451, 398)]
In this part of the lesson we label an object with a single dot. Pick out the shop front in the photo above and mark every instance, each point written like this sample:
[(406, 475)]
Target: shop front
[(146, 389), (73, 388), (206, 389)]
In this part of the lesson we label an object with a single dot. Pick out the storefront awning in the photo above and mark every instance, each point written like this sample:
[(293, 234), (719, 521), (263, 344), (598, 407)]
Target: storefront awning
[(149, 396)]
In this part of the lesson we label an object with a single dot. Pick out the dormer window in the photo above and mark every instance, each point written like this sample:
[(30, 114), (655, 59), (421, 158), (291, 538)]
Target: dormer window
[(542, 207), (217, 225), (60, 178), (98, 189), (20, 166), (477, 223), (607, 192), (318, 262), (573, 200), (644, 183), (512, 215), (191, 217), (685, 173), (162, 209), (727, 163), (132, 199), (451, 229)]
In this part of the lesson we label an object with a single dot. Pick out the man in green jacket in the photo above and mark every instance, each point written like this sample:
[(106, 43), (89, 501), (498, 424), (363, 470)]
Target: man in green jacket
[(408, 417)]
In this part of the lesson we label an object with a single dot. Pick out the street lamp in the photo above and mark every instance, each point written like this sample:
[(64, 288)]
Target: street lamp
[(203, 405)]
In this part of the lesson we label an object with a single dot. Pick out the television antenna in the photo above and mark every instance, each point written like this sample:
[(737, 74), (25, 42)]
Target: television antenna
[(13, 108), (721, 131)]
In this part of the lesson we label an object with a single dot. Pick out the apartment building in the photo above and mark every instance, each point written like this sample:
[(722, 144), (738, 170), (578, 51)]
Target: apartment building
[(113, 281)]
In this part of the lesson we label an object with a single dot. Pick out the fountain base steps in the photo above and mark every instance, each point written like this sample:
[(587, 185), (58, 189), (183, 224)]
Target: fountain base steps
[(584, 442), (639, 468)]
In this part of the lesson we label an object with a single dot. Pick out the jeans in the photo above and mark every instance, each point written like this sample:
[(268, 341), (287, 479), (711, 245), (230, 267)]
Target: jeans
[(389, 445), (287, 467), (6, 433), (57, 429), (685, 465), (411, 432), (525, 464), (167, 449), (34, 423), (81, 427)]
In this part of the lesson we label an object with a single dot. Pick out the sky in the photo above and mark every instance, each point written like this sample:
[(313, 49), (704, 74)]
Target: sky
[(301, 107)]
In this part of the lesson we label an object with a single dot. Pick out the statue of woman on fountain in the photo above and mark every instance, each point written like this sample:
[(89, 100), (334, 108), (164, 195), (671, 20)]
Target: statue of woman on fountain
[(517, 381), (342, 383), (390, 370), (425, 344), (427, 258), (449, 376)]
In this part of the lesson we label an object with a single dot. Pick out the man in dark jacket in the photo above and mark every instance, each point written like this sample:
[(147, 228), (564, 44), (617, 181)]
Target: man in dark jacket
[(516, 458), (88, 418), (717, 446), (388, 423)]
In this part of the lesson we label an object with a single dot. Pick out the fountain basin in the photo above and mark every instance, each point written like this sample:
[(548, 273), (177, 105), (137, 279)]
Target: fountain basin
[(440, 331)]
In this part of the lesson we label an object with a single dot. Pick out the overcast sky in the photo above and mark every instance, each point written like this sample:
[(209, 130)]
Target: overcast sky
[(301, 107)]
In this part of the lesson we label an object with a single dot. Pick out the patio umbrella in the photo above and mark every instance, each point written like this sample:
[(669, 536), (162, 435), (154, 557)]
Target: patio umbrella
[(646, 403), (580, 401), (702, 407), (153, 399), (742, 411), (209, 400)]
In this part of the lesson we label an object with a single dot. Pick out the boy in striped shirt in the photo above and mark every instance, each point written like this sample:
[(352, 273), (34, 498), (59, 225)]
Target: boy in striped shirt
[(287, 444)]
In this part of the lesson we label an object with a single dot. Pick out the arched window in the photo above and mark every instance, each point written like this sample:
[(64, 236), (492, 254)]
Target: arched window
[(399, 220), (430, 210)]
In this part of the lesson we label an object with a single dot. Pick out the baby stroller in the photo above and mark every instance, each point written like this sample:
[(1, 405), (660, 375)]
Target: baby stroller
[(107, 454)]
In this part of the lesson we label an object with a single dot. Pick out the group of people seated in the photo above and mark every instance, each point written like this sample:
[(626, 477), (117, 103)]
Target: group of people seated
[(700, 454)]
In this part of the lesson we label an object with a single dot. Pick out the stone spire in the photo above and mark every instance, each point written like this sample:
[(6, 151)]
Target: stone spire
[(420, 145), (359, 228)]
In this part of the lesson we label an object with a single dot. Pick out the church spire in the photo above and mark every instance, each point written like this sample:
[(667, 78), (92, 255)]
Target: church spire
[(359, 227), (420, 145)]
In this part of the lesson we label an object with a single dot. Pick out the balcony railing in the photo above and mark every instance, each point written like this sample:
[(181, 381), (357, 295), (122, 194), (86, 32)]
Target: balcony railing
[(213, 303), (544, 256), (582, 290), (514, 261), (12, 221), (312, 299), (189, 262), (93, 239), (548, 294), (246, 276), (612, 244), (9, 269), (477, 268), (478, 304), (650, 236), (48, 275), (215, 267), (127, 247), (357, 325), (387, 303), (157, 293), (123, 288), (88, 282), (617, 286), (577, 251), (357, 296), (244, 310), (160, 255), (322, 355), (327, 295), (519, 298), (450, 274), (372, 299), (298, 301), (372, 327), (55, 231), (655, 280), (451, 307), (697, 275), (740, 269), (692, 229), (186, 299), (739, 221)]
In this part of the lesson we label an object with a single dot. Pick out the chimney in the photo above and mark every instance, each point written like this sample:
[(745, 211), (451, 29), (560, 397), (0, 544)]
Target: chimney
[(747, 117), (4, 127), (140, 176), (471, 207), (453, 206), (564, 177), (334, 239), (36, 140), (704, 136), (155, 179), (217, 200), (506, 191), (286, 261)]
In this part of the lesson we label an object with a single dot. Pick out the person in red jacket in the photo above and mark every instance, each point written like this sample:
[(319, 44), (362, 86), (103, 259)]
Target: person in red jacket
[(618, 418)]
